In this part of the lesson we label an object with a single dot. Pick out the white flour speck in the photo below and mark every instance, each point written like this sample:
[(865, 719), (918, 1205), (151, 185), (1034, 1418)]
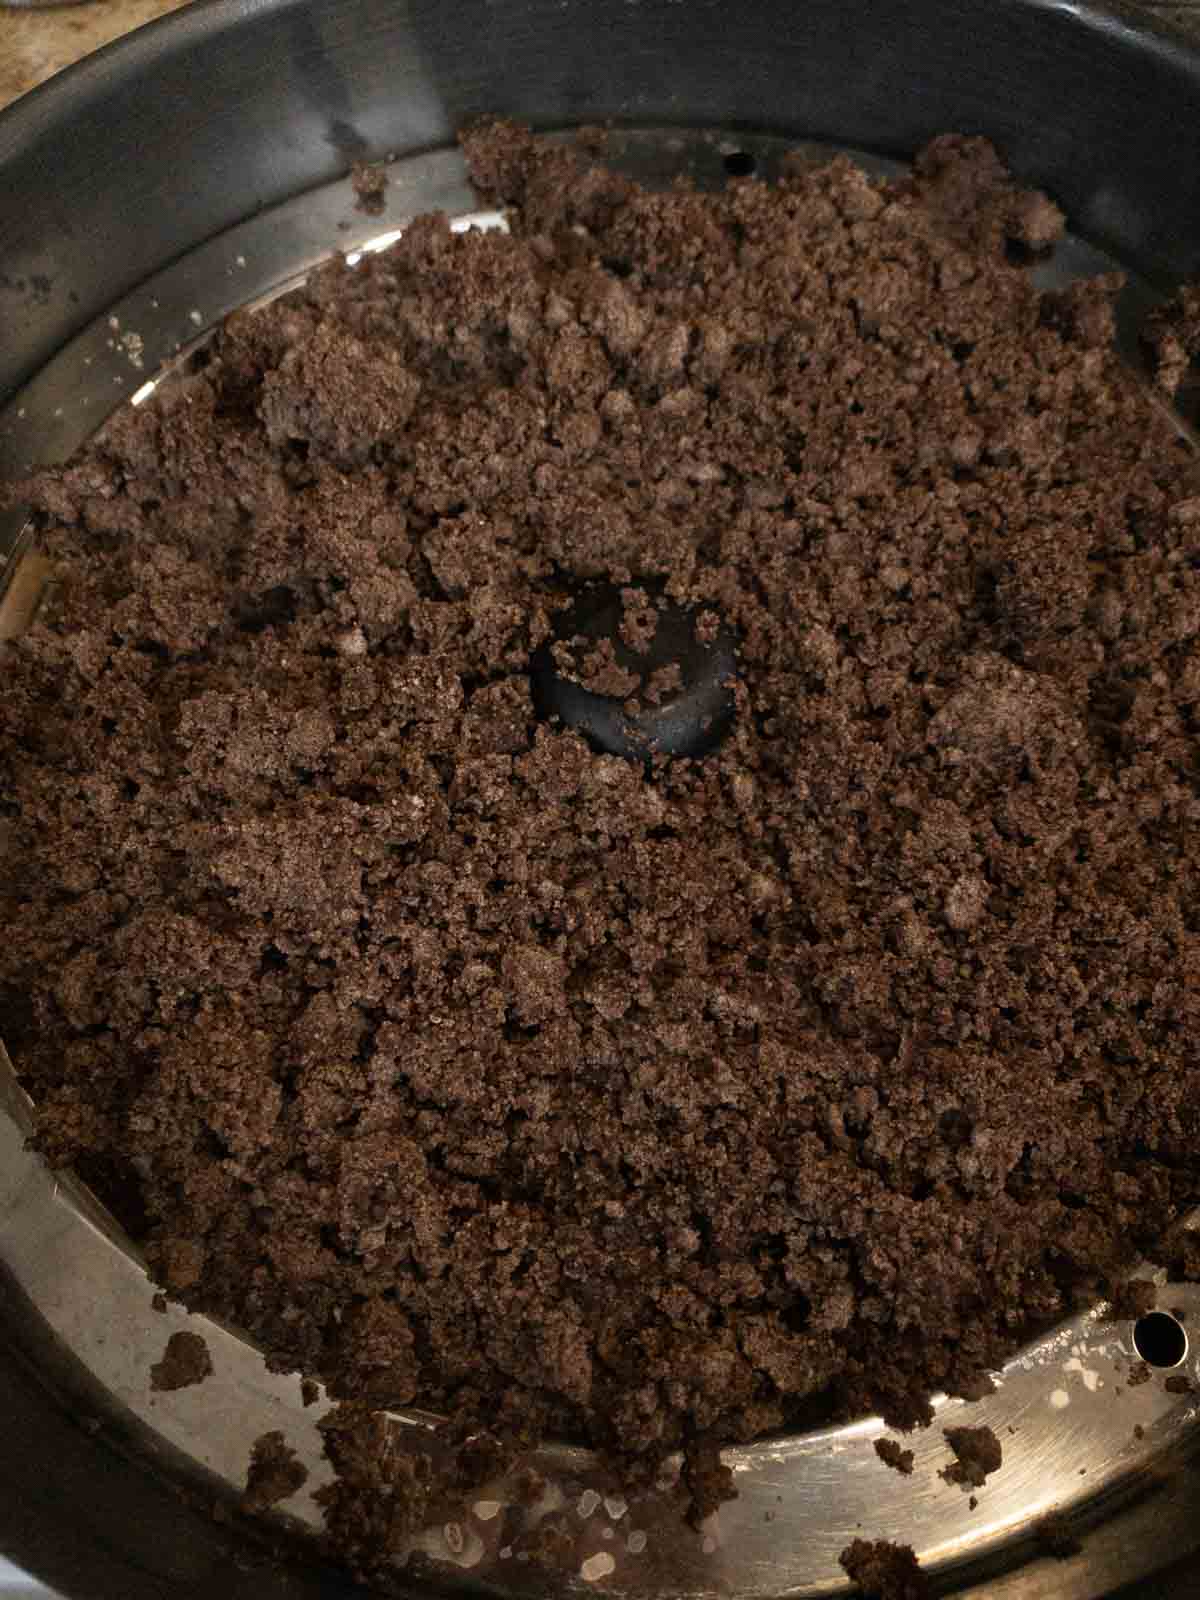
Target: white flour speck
[(1091, 1378), (597, 1566), (133, 347)]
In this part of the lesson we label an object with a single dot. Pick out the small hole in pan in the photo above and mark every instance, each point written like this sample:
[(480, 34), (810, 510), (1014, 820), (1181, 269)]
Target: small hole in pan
[(1160, 1339), (740, 164)]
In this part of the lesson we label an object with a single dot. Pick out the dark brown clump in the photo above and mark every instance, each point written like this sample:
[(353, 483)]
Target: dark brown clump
[(978, 1453), (894, 1455), (1133, 1298), (708, 1480), (884, 1571), (1181, 1255), (381, 1494), (454, 1061), (1173, 336), (184, 1362), (275, 1472), (369, 182)]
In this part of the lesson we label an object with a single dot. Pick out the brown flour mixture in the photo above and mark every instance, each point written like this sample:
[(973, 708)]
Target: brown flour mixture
[(882, 1571), (457, 1062), (185, 1361), (977, 1453), (894, 1455), (275, 1473)]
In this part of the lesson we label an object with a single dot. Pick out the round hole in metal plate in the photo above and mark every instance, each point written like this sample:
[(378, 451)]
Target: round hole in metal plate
[(1160, 1339), (740, 164)]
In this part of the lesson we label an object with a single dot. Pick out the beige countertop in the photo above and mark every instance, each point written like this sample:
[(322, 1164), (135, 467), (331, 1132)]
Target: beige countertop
[(34, 44)]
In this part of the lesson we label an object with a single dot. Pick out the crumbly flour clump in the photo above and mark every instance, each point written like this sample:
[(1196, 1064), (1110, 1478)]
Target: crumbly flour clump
[(651, 1106)]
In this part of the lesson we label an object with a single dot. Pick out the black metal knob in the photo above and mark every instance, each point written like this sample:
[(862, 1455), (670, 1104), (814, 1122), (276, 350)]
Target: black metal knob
[(637, 674)]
